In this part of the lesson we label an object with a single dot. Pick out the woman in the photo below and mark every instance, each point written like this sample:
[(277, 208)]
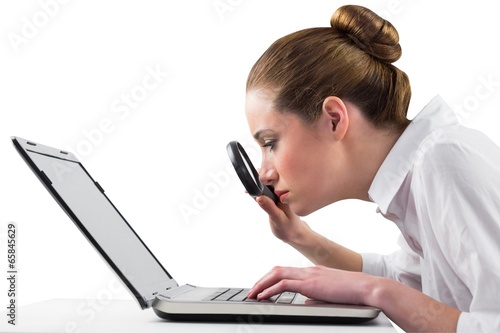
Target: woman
[(329, 110)]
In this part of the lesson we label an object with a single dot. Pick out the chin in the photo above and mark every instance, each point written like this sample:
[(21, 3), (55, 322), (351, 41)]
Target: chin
[(301, 210), (304, 210)]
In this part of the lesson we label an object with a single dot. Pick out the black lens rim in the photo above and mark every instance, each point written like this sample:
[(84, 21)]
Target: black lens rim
[(252, 184), (236, 155)]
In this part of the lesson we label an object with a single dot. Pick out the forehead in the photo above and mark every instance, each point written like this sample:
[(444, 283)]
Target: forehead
[(263, 119), (260, 113), (258, 101), (261, 116)]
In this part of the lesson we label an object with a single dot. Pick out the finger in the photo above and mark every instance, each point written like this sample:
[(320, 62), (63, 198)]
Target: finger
[(261, 284), (275, 210), (272, 277), (267, 204), (280, 287)]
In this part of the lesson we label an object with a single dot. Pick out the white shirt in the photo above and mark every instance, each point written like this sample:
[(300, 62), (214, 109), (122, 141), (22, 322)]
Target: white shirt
[(440, 184)]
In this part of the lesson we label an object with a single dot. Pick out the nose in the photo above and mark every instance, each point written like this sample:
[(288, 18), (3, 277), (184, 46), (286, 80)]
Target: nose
[(268, 175)]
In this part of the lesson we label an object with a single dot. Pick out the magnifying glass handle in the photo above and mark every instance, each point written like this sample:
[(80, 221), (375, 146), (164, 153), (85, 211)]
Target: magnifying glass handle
[(268, 192)]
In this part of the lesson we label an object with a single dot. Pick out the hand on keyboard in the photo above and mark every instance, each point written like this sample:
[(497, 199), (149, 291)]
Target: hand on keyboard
[(240, 295)]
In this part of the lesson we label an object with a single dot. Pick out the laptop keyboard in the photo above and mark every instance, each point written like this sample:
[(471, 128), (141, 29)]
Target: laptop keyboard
[(240, 295)]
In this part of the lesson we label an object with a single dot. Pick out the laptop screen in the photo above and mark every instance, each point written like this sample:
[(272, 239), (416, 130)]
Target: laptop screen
[(103, 225)]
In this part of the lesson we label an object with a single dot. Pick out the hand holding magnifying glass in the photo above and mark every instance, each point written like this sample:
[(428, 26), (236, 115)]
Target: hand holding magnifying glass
[(247, 173)]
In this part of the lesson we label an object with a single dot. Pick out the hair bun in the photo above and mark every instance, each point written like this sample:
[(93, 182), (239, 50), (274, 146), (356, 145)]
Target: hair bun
[(370, 32)]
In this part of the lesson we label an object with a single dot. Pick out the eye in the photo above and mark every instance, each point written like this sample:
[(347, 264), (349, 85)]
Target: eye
[(270, 144)]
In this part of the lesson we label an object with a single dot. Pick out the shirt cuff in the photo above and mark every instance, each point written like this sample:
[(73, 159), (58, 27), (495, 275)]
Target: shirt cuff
[(373, 264), (478, 322)]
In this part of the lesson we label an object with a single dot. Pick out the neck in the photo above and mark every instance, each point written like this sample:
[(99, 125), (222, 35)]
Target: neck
[(368, 149)]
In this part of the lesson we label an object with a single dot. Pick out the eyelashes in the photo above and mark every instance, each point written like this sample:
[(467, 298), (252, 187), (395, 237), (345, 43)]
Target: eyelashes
[(269, 143)]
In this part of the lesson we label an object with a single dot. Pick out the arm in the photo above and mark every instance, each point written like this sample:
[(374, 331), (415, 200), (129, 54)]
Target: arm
[(318, 249), (410, 309), (351, 286)]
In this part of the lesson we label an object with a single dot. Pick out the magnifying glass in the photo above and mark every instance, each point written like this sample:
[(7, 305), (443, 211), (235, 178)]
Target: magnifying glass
[(247, 173)]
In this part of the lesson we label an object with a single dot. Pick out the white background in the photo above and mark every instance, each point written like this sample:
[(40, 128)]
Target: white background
[(63, 73)]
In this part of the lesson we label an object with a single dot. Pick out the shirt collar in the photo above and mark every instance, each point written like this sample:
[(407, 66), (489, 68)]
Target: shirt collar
[(401, 158)]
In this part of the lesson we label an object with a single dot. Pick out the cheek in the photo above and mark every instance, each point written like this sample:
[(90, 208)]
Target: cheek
[(313, 176), (288, 166), (299, 173)]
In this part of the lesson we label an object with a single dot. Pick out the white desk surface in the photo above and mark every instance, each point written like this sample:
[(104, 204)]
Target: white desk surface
[(77, 315)]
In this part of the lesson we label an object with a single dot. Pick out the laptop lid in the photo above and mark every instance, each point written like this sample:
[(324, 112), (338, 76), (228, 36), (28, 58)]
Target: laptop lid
[(85, 202)]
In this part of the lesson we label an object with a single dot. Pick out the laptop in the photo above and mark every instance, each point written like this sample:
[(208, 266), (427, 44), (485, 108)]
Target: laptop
[(85, 202)]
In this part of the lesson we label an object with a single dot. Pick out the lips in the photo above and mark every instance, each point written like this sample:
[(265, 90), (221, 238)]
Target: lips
[(281, 194)]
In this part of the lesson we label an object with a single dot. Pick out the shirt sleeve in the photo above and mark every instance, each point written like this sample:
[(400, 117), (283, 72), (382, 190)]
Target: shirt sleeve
[(462, 204), (402, 266)]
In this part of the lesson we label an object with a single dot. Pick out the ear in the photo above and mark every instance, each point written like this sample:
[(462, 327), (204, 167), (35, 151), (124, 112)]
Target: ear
[(336, 117)]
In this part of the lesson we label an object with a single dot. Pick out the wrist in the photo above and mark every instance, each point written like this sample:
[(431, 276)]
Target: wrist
[(376, 291), (409, 308), (299, 236)]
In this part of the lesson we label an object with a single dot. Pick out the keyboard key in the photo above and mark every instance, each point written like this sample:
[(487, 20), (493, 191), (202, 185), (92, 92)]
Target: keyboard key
[(251, 300), (227, 295), (215, 294), (241, 296), (271, 299), (286, 298)]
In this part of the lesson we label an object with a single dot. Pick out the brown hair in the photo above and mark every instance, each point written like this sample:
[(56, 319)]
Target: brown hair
[(351, 60)]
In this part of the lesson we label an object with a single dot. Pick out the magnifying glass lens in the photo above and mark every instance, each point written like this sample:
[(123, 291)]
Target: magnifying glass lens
[(249, 166), (247, 173)]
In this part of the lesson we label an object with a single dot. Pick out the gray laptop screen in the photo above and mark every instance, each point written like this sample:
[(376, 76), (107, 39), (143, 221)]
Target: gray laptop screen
[(104, 226)]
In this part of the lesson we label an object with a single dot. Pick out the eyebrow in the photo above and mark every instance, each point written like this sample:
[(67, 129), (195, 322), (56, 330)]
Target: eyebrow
[(257, 136)]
